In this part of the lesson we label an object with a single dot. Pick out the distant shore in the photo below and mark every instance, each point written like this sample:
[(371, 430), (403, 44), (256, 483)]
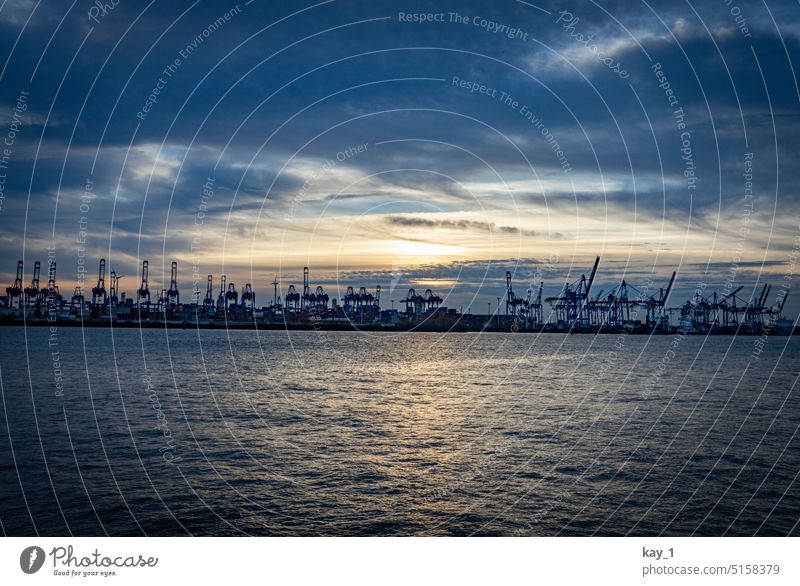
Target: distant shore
[(502, 327)]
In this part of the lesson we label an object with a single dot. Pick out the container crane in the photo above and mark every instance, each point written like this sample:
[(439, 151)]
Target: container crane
[(307, 298), (513, 303), (221, 296), (656, 314), (51, 296), (143, 293), (15, 291), (292, 298), (570, 304), (209, 298), (32, 291), (173, 298), (77, 300), (231, 296), (113, 292), (99, 291), (248, 297)]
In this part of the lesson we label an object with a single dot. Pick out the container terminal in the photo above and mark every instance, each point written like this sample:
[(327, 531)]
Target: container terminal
[(579, 307)]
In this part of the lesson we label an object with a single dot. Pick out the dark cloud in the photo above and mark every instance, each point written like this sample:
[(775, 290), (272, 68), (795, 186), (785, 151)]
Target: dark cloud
[(466, 225)]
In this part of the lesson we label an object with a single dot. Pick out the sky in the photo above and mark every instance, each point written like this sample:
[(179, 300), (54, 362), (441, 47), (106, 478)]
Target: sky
[(403, 144)]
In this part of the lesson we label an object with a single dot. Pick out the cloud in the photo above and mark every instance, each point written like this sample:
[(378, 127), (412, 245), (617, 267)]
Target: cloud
[(441, 162), (465, 225), (16, 12)]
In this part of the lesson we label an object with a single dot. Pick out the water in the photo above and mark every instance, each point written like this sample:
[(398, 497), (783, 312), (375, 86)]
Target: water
[(323, 433)]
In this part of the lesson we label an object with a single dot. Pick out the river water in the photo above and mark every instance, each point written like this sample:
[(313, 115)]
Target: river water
[(183, 432)]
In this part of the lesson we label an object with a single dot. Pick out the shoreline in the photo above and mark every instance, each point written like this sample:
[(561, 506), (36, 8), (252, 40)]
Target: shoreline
[(353, 327)]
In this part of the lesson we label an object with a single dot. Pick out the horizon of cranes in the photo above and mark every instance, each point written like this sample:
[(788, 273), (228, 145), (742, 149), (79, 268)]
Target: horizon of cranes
[(573, 308)]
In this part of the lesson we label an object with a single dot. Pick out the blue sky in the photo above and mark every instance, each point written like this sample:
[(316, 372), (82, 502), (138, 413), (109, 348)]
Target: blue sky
[(377, 149)]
